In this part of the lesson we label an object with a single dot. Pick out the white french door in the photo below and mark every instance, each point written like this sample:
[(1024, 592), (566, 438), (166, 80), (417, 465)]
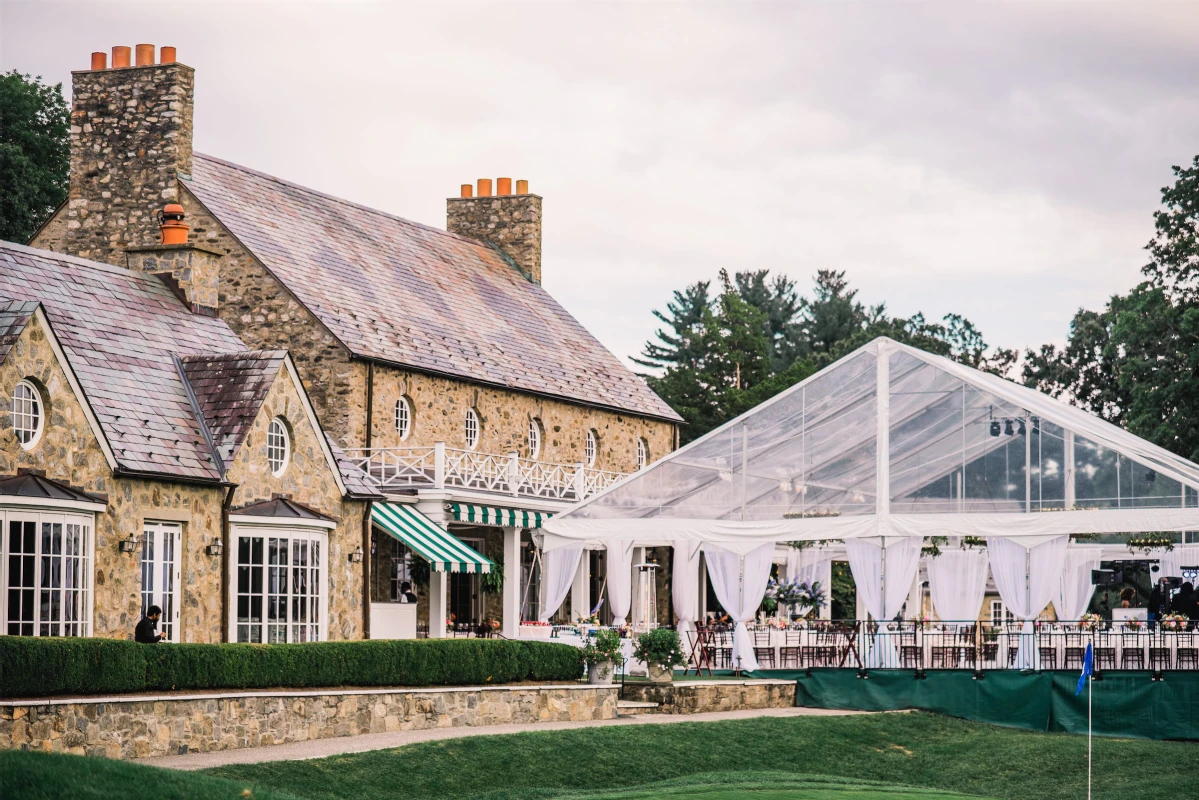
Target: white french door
[(162, 546), (279, 585), (46, 574)]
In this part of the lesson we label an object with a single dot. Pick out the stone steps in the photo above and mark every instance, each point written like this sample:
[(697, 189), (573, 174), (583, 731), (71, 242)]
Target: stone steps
[(625, 708)]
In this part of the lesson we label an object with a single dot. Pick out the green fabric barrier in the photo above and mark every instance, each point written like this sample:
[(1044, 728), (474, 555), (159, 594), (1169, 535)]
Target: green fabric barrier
[(1128, 704)]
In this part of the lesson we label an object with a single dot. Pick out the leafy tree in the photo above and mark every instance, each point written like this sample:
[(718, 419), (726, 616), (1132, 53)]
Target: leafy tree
[(34, 154), (1136, 362)]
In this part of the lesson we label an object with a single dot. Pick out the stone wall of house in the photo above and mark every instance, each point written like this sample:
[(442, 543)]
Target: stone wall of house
[(123, 728), (131, 134), (195, 270), (309, 480), (511, 223), (686, 697)]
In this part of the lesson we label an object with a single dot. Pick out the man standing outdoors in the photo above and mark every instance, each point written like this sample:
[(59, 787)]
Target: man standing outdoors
[(146, 632)]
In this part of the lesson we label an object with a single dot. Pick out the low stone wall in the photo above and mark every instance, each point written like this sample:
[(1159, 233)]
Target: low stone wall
[(694, 697), (137, 727)]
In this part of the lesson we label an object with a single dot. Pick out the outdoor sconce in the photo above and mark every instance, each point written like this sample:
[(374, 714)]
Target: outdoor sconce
[(215, 548), (129, 545), (356, 556)]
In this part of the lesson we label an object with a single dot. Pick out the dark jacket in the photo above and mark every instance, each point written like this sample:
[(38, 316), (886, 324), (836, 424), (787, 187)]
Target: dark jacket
[(145, 632)]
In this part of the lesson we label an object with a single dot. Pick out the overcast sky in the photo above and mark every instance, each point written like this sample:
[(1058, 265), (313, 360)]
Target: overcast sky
[(1002, 162)]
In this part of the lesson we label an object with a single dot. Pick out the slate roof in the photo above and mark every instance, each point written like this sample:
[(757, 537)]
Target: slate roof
[(31, 485), (14, 316), (230, 389), (412, 295), (282, 507), (356, 481)]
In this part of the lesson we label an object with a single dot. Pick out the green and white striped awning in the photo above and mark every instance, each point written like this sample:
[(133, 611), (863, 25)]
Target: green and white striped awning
[(433, 543), (498, 515)]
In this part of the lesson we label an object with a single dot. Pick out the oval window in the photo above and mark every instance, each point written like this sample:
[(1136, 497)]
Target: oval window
[(472, 429), (591, 448), (403, 417), (278, 446), (27, 414)]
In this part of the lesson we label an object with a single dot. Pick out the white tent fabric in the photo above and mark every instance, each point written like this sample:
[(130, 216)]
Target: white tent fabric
[(684, 588), (620, 579), (1027, 579), (557, 574), (893, 441), (872, 575), (957, 583), (1075, 587), (1172, 561), (740, 584), (810, 565)]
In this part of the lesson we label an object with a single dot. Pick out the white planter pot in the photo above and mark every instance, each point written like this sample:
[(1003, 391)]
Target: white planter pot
[(599, 673), (660, 674)]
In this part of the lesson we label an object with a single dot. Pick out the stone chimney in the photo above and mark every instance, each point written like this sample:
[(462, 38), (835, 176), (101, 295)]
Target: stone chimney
[(131, 134), (509, 221), (193, 272)]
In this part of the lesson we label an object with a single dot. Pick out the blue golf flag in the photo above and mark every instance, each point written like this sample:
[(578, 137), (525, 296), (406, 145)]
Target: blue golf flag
[(1088, 666)]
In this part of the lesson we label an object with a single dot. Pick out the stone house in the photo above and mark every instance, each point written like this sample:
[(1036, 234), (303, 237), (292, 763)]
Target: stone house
[(147, 457), (434, 358)]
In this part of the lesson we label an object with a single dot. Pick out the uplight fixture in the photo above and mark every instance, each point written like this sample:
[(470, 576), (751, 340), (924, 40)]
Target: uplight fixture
[(994, 427)]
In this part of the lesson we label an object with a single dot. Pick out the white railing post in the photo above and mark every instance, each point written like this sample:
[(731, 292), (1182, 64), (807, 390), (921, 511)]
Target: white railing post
[(514, 473), (580, 481), (439, 465)]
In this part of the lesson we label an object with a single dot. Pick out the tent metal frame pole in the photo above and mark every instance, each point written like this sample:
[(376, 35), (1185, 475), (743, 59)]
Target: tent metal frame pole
[(1027, 463), (744, 466)]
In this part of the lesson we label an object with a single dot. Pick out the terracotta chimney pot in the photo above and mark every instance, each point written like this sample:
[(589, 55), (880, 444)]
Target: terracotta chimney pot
[(120, 57), (174, 229), (145, 55), (522, 187), (467, 190), (166, 55), (484, 187), (503, 187), (99, 60)]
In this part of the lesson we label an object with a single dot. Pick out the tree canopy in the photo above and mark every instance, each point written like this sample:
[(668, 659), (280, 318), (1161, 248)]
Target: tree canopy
[(34, 154)]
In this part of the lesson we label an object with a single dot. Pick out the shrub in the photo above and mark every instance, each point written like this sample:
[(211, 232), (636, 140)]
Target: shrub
[(660, 646), (34, 667)]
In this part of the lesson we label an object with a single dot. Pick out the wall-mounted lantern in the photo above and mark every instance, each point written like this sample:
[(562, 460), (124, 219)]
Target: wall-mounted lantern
[(129, 545), (356, 556), (215, 548)]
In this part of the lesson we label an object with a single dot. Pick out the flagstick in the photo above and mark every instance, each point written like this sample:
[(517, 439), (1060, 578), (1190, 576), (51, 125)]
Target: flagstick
[(1090, 679)]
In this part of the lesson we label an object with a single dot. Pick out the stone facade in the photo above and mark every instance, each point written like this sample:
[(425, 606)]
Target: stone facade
[(510, 222), (696, 697), (131, 135), (194, 270), (160, 726)]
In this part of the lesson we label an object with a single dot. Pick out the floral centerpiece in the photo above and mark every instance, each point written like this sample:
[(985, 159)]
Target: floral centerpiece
[(1090, 622), (600, 654), (1133, 624), (1174, 622), (800, 595), (661, 651), (535, 629)]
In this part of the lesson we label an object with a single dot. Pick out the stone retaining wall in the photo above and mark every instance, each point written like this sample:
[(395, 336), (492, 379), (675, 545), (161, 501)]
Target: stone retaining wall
[(138, 727), (694, 697)]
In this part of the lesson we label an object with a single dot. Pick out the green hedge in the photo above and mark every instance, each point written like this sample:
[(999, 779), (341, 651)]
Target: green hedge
[(36, 667)]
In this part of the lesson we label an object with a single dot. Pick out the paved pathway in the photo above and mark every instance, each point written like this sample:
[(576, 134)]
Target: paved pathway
[(319, 748)]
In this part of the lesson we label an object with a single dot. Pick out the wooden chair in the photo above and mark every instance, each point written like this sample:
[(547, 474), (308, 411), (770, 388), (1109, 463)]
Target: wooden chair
[(1159, 658), (701, 651), (763, 652), (789, 653), (722, 648), (1186, 654), (911, 654), (1075, 652), (1105, 653), (1132, 655), (1046, 651)]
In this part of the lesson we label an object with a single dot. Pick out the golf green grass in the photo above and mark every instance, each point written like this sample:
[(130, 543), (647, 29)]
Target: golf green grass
[(771, 786)]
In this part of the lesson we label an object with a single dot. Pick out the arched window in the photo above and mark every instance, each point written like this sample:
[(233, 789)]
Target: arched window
[(27, 414), (591, 448), (642, 453), (278, 446), (403, 417), (472, 429), (534, 437)]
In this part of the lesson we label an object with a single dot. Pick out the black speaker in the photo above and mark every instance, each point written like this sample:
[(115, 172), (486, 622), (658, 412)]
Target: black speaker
[(1104, 577)]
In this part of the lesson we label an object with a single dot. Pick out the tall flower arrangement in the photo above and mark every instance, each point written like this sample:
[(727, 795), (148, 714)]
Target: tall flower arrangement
[(802, 596)]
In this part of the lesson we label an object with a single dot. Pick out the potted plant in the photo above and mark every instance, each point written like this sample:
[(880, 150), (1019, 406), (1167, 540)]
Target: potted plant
[(601, 654), (661, 652)]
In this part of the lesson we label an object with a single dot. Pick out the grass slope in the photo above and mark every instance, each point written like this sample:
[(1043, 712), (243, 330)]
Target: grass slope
[(770, 786), (917, 749)]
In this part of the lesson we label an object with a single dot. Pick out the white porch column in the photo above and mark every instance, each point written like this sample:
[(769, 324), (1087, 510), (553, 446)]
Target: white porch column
[(439, 611), (512, 578), (580, 590)]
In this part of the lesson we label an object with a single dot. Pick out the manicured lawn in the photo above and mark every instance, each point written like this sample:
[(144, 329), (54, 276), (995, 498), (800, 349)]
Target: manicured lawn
[(771, 786)]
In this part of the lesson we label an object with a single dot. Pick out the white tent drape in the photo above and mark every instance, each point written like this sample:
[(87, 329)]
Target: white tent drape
[(1174, 560), (740, 587), (1075, 587), (871, 574), (558, 568), (809, 565), (957, 582), (684, 588), (620, 579), (1027, 579)]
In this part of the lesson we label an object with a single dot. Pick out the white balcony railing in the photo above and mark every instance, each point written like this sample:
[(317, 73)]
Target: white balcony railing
[(441, 467)]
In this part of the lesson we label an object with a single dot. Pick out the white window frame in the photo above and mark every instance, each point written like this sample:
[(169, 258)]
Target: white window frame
[(534, 437), (472, 428), (1004, 616), (159, 540), (74, 568), (286, 458), (36, 411), (642, 452), (314, 631), (403, 417), (591, 448)]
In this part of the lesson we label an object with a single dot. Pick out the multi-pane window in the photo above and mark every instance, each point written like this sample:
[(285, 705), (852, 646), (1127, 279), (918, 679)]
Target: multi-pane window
[(403, 417), (161, 546), (27, 417), (472, 429), (1000, 614), (642, 453), (280, 586), (401, 568), (591, 448), (46, 575), (278, 446), (534, 437)]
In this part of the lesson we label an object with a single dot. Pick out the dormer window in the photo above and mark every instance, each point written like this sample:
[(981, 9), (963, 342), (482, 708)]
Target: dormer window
[(534, 437), (278, 446), (27, 414), (472, 429), (403, 418)]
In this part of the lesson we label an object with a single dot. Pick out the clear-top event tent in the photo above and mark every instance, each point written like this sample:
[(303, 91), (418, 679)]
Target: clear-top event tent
[(881, 449)]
